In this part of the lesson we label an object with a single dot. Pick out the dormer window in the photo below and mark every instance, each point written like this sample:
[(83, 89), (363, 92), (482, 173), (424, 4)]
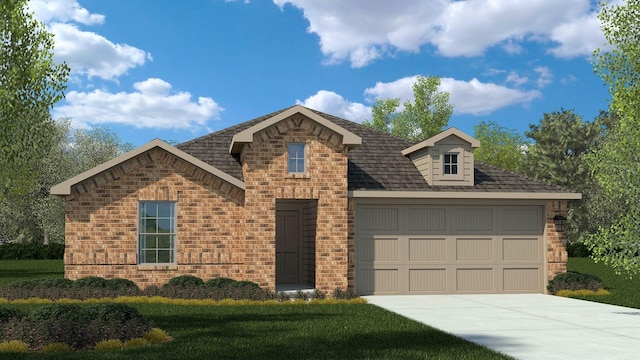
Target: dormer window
[(296, 164), (450, 164)]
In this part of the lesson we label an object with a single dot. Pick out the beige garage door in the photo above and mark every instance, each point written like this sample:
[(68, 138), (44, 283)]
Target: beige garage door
[(402, 249)]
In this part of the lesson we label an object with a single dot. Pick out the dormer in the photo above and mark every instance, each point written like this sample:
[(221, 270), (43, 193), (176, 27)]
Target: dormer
[(445, 159)]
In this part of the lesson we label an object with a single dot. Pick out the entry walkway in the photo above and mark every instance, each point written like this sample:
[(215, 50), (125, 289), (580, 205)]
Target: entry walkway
[(527, 326)]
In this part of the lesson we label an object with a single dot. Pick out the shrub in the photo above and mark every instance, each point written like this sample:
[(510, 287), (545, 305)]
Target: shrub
[(31, 251), (56, 347), (245, 283), (42, 283), (156, 336), (7, 313), (152, 290), (578, 249), (344, 294), (121, 284), (91, 282), (78, 326), (574, 281), (13, 346), (184, 281), (219, 282), (111, 344)]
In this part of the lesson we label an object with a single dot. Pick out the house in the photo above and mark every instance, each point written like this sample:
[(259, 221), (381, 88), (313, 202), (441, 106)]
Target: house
[(302, 198)]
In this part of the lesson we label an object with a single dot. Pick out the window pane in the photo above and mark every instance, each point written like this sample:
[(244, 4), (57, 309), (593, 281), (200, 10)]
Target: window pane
[(149, 242), (150, 226), (149, 256), (300, 165), (454, 169), (151, 210), (164, 256), (292, 165), (447, 169), (447, 159), (165, 226), (164, 242), (454, 159), (164, 209)]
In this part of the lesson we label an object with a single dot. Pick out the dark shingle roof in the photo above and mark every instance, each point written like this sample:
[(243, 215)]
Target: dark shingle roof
[(377, 164)]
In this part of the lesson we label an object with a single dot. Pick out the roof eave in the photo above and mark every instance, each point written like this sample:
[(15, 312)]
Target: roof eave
[(244, 137), (64, 188), (464, 195), (430, 142)]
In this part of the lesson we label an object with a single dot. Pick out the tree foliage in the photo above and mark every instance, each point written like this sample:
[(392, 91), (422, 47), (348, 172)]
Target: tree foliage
[(501, 147), (616, 164), (39, 216), (30, 84), (425, 116)]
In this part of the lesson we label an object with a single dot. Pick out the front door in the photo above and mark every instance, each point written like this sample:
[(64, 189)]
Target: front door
[(288, 246)]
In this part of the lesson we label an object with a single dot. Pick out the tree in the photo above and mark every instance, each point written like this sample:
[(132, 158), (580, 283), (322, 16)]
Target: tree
[(558, 156), (423, 118), (30, 84), (616, 164), (501, 147), (39, 216)]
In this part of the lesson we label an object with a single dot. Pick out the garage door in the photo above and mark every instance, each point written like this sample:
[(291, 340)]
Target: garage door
[(402, 249)]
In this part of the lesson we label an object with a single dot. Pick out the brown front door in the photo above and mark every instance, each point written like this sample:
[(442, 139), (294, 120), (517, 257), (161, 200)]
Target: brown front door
[(288, 246)]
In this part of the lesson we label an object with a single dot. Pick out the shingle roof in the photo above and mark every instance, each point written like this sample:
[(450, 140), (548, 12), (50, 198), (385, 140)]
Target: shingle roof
[(377, 164)]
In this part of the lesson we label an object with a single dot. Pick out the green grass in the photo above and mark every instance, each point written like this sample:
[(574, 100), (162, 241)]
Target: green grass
[(352, 331), (15, 270), (624, 291)]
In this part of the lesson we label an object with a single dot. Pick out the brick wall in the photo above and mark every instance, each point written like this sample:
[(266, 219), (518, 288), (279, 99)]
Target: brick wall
[(102, 220), (267, 179), (556, 241)]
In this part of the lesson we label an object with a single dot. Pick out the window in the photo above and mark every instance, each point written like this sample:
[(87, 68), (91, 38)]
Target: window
[(296, 158), (157, 232), (450, 165)]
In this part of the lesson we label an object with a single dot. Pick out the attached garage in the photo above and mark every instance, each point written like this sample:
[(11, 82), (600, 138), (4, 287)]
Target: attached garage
[(450, 248)]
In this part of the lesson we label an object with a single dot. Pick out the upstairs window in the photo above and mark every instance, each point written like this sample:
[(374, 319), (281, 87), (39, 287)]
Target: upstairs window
[(450, 164), (296, 164), (157, 232)]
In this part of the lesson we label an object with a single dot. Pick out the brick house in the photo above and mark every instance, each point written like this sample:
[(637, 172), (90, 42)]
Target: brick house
[(302, 199)]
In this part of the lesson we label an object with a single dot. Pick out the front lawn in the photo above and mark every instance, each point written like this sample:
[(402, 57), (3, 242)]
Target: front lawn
[(296, 331), (624, 291), (15, 270)]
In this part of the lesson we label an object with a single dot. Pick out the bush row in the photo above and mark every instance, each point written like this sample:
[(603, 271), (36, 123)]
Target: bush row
[(78, 326), (181, 287), (11, 251)]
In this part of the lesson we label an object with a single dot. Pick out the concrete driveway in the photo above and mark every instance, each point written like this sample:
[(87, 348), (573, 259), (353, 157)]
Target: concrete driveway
[(527, 326)]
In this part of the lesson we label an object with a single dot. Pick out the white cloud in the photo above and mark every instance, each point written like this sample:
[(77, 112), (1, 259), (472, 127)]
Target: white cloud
[(334, 104), (362, 31), (63, 11), (86, 53), (152, 105), (516, 79), (544, 76), (93, 55), (468, 97)]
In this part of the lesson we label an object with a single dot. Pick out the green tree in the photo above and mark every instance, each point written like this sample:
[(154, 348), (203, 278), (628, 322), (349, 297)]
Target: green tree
[(39, 216), (426, 116), (616, 164), (501, 147), (30, 84)]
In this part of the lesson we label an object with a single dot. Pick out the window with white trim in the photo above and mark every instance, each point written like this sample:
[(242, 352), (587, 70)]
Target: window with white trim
[(296, 158), (450, 164), (157, 232)]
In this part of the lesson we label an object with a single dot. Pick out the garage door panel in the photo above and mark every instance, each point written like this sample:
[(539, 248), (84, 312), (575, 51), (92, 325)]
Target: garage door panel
[(378, 219), (475, 220), (427, 249), (427, 219), (474, 249), (521, 220), (521, 249), (428, 280), (521, 279), (475, 279), (379, 249), (379, 280)]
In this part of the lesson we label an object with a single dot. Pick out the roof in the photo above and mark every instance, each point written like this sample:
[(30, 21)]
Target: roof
[(430, 142), (64, 188), (377, 165)]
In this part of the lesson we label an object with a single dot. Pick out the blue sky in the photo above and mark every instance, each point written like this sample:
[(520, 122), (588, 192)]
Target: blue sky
[(177, 70)]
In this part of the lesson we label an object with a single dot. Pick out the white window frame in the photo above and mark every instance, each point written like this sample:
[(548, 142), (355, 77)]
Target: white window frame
[(165, 227), (294, 157), (450, 165)]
